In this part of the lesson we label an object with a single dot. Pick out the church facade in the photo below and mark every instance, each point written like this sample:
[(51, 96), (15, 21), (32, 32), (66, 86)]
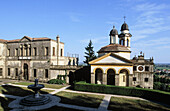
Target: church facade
[(30, 58), (114, 66)]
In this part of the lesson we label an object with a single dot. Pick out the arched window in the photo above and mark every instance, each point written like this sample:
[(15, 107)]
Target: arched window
[(121, 42), (127, 42)]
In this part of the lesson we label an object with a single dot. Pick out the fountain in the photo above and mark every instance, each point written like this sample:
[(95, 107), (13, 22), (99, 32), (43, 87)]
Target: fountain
[(35, 101)]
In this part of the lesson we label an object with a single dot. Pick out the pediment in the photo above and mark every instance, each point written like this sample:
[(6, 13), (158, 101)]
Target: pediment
[(111, 59), (25, 39)]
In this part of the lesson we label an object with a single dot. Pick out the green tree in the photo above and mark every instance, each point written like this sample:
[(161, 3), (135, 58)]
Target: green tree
[(89, 54)]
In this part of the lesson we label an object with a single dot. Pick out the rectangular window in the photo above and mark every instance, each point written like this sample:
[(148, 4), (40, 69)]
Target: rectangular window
[(16, 52), (16, 71), (146, 68), (61, 53), (134, 78), (8, 53), (0, 71), (29, 51), (134, 68), (35, 51), (53, 51), (123, 78), (146, 79), (46, 51), (9, 72), (46, 73), (35, 72)]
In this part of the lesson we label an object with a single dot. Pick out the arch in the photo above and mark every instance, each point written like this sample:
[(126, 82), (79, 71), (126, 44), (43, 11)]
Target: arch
[(124, 69), (122, 42), (123, 77), (97, 68), (98, 76), (110, 68), (111, 76)]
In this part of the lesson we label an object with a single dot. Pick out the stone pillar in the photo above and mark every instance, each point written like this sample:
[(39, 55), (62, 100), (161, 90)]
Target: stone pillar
[(130, 80), (92, 78), (116, 79), (104, 81)]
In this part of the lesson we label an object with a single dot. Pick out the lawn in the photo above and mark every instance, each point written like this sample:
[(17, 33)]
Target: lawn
[(18, 91), (55, 86), (124, 104), (87, 100)]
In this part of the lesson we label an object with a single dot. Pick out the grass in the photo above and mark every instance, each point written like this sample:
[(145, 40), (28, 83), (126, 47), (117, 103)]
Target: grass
[(18, 91), (87, 100), (55, 86), (124, 104)]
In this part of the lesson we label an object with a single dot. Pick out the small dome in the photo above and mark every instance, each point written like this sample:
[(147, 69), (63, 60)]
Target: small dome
[(124, 27), (113, 31)]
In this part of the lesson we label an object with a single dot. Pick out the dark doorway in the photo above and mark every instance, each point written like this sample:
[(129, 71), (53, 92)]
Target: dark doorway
[(71, 77), (110, 77), (98, 76), (26, 77)]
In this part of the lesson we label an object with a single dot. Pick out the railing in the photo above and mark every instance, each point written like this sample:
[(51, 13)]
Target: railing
[(64, 67)]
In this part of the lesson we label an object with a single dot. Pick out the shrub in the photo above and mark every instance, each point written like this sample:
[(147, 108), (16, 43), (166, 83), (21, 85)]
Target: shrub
[(150, 94), (56, 81)]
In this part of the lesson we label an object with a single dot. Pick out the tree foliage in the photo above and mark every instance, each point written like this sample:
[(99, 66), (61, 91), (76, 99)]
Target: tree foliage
[(89, 54)]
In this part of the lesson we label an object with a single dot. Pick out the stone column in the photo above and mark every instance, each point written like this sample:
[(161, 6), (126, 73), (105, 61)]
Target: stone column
[(130, 80), (116, 79), (104, 81), (92, 78)]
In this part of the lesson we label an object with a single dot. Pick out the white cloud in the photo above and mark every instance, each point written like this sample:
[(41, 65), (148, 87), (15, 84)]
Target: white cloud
[(151, 20)]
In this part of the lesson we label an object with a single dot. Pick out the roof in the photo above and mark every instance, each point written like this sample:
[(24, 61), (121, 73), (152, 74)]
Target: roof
[(114, 48), (29, 38), (124, 26), (129, 62), (2, 40)]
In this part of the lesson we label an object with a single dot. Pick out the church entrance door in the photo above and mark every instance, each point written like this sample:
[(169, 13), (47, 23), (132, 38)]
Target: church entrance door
[(110, 77)]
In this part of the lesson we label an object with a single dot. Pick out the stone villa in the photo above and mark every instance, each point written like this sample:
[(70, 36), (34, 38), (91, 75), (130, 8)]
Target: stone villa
[(114, 66), (29, 58)]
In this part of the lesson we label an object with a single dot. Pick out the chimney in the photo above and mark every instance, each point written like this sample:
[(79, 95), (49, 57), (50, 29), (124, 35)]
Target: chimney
[(58, 39)]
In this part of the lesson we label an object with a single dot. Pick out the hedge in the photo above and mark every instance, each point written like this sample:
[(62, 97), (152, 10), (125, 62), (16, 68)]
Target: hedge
[(56, 81), (150, 94)]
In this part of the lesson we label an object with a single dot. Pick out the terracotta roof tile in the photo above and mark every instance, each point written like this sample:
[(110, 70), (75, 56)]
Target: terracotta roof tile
[(114, 48), (2, 40)]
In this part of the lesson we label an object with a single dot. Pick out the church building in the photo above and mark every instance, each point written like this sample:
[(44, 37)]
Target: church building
[(115, 67)]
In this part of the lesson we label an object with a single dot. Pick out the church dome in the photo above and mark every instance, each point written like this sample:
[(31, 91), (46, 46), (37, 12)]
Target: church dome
[(113, 48), (124, 26), (113, 32)]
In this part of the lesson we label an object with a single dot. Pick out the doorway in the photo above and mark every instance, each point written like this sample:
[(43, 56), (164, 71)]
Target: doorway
[(110, 77), (26, 77)]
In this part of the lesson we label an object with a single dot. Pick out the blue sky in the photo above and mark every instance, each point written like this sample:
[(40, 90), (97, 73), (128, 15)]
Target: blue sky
[(78, 21)]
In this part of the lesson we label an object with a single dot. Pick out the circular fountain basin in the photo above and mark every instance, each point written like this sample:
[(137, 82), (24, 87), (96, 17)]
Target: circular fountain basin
[(36, 87), (32, 101), (16, 105)]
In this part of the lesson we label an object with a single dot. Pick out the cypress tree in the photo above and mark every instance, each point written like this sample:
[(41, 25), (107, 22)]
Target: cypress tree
[(89, 54)]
